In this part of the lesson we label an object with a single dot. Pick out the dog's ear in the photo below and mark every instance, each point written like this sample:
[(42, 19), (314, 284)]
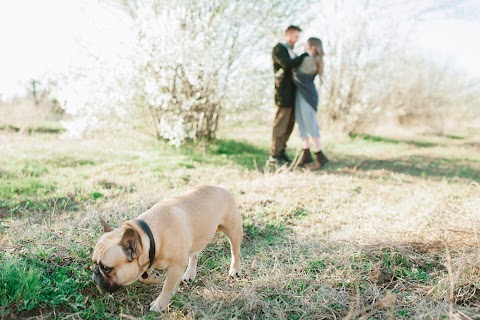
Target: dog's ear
[(106, 226), (129, 244)]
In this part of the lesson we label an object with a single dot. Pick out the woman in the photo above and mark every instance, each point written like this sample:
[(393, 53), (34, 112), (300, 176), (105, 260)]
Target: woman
[(306, 101)]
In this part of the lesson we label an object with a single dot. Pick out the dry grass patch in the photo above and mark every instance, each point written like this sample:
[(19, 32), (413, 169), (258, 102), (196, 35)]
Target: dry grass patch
[(317, 245)]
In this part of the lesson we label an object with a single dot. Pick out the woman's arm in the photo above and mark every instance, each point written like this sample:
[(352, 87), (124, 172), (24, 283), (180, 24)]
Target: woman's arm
[(280, 55), (320, 68)]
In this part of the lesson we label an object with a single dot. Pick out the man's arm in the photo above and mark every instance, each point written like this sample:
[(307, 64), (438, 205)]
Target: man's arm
[(280, 55)]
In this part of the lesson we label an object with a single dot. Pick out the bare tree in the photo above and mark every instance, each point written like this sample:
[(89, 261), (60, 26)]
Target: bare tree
[(426, 94), (37, 90), (359, 38), (369, 69)]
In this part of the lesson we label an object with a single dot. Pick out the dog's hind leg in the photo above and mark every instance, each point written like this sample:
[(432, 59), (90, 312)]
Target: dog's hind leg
[(191, 271), (233, 229)]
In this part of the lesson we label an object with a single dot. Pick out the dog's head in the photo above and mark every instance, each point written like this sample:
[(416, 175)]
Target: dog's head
[(115, 258)]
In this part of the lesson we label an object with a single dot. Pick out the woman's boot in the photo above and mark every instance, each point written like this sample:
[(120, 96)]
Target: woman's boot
[(320, 161), (306, 158)]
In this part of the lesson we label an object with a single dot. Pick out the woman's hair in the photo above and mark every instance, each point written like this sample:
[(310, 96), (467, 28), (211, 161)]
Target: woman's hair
[(317, 49)]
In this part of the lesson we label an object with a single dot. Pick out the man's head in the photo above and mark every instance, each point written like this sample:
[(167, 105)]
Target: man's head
[(291, 34)]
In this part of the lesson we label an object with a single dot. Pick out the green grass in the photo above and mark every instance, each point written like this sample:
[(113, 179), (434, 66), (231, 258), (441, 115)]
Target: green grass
[(9, 128), (30, 283), (310, 238), (224, 152), (48, 128), (51, 129), (31, 185), (241, 152)]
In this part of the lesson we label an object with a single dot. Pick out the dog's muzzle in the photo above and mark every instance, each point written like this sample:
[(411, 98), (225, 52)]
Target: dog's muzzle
[(102, 282)]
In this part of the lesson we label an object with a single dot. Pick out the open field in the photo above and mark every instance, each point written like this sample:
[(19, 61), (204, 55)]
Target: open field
[(388, 215)]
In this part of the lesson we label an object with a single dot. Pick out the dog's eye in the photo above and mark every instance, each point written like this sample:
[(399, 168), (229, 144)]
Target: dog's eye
[(106, 269)]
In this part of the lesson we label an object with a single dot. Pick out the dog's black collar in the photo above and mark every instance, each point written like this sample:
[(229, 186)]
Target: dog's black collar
[(151, 252)]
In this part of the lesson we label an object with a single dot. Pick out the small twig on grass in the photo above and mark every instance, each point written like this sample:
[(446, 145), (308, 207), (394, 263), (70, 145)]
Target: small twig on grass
[(267, 168), (464, 315), (448, 265), (296, 160), (353, 303), (282, 169), (126, 316), (355, 167), (386, 302), (73, 315)]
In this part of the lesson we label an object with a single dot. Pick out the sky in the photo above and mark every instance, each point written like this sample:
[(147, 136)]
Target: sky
[(451, 35), (52, 36)]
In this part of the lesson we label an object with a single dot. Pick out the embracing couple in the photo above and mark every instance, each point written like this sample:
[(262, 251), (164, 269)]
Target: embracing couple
[(297, 98)]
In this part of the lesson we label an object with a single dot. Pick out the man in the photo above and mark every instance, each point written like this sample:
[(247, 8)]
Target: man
[(284, 61)]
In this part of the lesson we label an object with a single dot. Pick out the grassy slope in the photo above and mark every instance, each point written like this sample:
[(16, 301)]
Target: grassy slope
[(377, 219)]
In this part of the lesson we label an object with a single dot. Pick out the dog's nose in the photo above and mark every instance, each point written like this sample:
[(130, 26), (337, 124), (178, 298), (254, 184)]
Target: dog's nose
[(95, 269), (112, 289)]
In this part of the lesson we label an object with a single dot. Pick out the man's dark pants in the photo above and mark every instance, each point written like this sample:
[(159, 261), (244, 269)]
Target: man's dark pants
[(282, 129)]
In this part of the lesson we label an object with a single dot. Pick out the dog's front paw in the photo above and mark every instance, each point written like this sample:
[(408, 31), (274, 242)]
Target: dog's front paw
[(234, 273), (189, 275), (159, 305)]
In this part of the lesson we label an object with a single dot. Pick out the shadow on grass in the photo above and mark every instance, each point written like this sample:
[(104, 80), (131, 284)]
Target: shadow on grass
[(223, 151), (417, 166), (246, 155), (242, 152), (453, 137), (368, 137), (252, 157)]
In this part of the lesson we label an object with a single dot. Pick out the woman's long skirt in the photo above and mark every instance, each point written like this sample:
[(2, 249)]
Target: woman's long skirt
[(306, 118)]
